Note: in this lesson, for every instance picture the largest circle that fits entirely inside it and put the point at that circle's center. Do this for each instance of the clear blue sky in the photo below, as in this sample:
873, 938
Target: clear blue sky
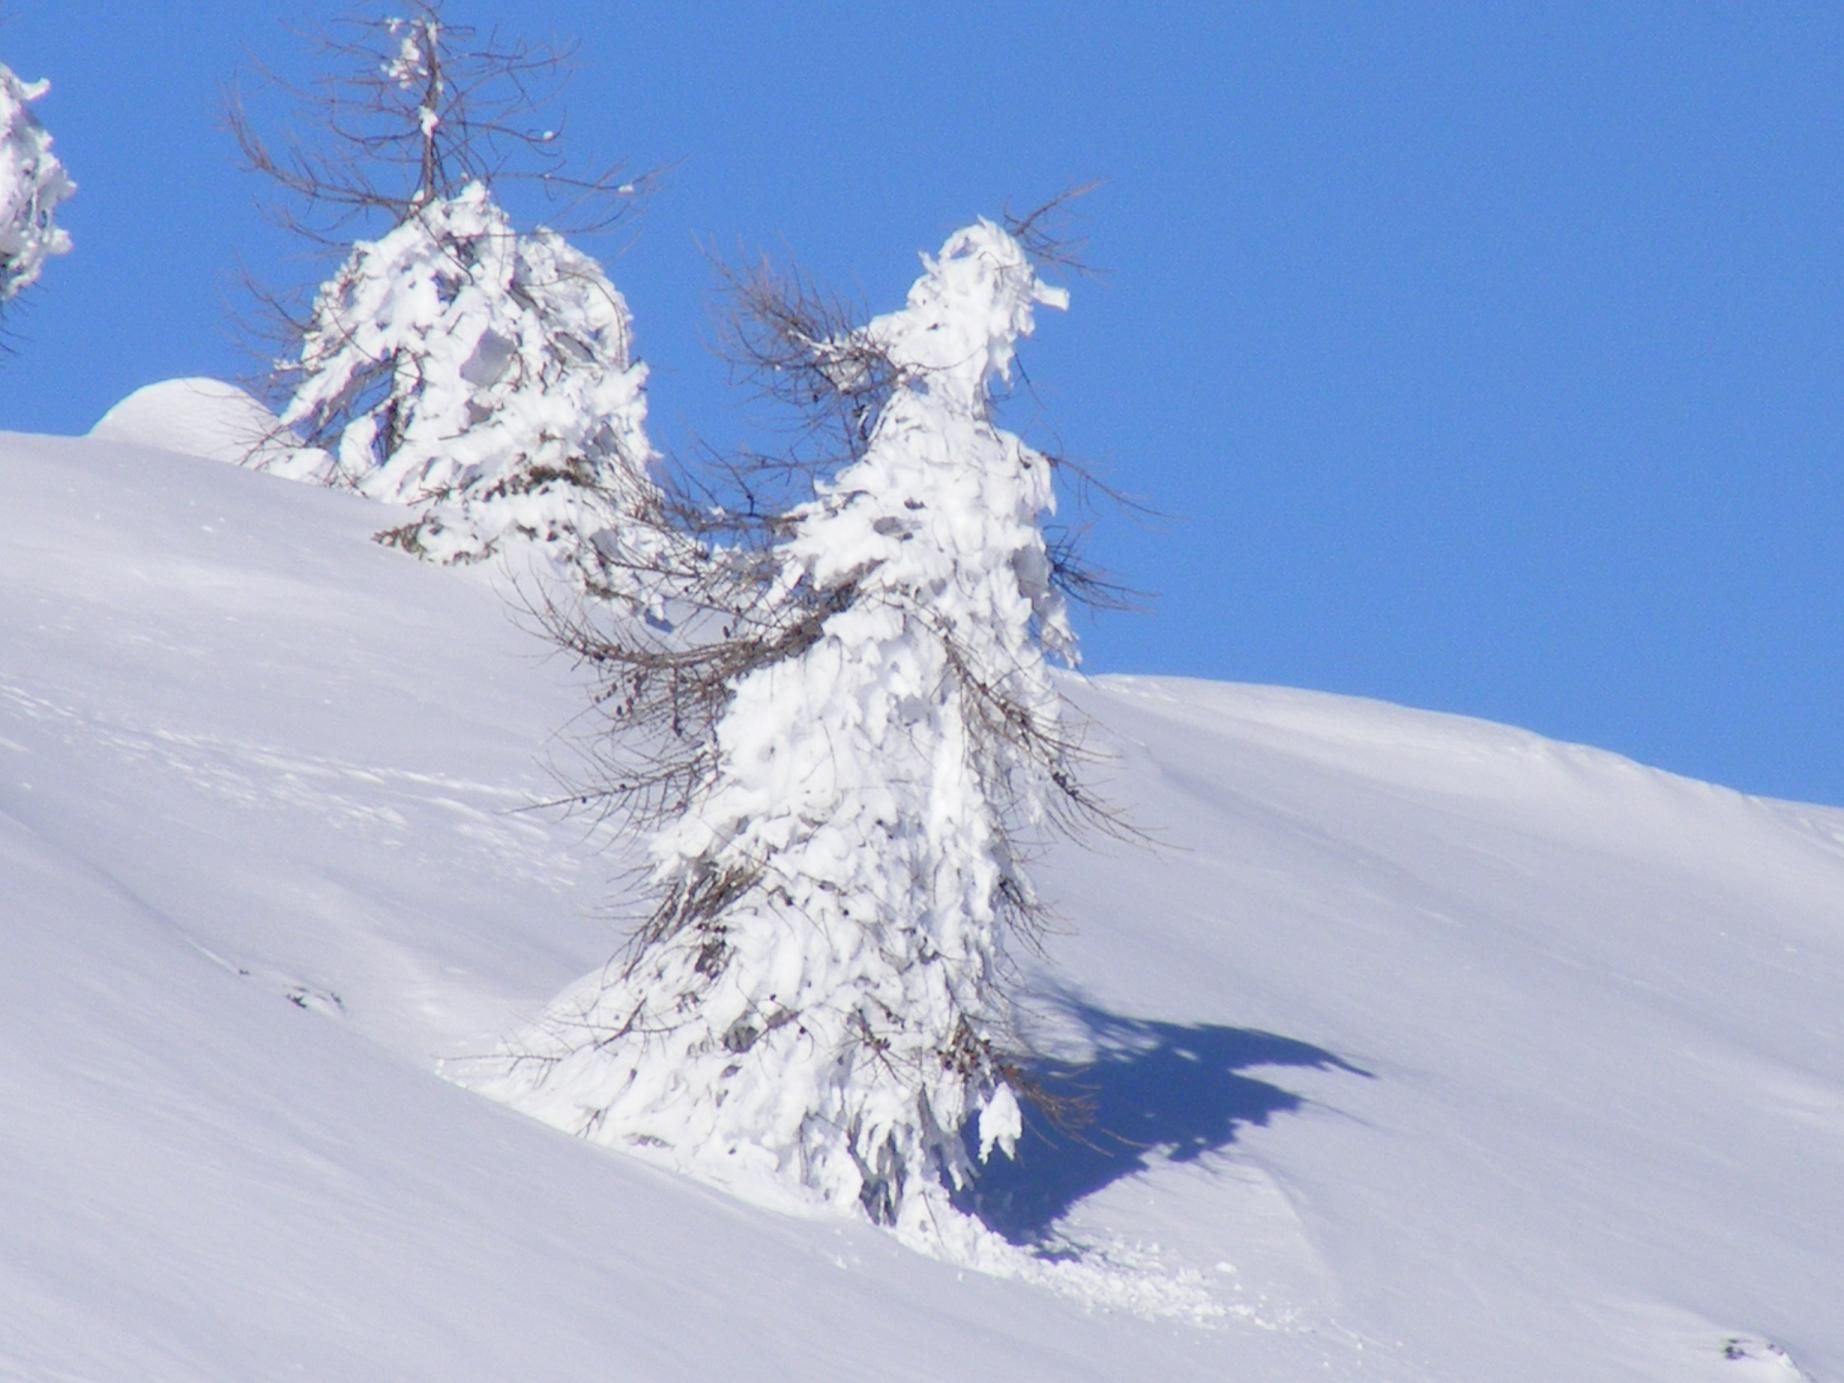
1484, 357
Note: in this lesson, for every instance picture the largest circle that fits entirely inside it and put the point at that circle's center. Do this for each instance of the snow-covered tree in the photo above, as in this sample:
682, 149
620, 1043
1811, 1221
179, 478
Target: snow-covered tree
481, 374
32, 185
818, 996
486, 378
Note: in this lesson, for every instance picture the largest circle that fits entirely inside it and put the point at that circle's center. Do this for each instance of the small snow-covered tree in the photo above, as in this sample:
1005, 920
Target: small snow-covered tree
481, 374
818, 994
484, 377
32, 185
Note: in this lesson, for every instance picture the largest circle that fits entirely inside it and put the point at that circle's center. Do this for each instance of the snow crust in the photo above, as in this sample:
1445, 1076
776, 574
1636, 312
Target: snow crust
1424, 1049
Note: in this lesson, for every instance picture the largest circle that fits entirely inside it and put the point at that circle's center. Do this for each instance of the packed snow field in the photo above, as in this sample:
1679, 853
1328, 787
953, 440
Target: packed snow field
1420, 1048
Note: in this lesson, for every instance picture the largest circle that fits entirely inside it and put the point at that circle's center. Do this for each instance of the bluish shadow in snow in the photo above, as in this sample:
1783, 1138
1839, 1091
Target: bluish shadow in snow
1153, 1091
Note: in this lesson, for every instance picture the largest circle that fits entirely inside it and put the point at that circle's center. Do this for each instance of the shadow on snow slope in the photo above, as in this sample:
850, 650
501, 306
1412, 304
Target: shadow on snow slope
1151, 1091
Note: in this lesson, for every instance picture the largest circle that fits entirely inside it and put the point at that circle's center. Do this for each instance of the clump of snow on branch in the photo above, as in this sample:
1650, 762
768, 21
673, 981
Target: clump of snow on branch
32, 185
410, 67
487, 378
817, 1002
414, 65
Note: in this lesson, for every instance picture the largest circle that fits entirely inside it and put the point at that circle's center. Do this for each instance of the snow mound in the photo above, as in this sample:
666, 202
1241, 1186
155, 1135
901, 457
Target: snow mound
197, 417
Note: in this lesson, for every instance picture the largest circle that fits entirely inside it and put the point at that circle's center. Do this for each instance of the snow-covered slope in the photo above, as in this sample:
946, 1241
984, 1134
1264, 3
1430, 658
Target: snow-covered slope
1422, 1048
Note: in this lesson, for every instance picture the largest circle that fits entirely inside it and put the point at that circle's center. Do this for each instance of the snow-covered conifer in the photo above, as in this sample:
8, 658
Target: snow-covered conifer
32, 184
818, 996
480, 373
486, 378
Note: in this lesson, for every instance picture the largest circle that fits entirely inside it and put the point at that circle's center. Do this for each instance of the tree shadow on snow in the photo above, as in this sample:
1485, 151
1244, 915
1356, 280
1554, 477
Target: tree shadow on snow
1152, 1092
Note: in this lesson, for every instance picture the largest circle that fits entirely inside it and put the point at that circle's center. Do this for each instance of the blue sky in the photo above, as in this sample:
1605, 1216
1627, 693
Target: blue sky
1481, 357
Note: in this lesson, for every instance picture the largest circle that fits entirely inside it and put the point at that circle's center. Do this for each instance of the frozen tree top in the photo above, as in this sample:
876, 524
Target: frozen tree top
417, 38
965, 313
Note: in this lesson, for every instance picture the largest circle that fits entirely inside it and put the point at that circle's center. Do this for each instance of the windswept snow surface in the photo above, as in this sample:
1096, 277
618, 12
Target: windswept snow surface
1427, 1049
